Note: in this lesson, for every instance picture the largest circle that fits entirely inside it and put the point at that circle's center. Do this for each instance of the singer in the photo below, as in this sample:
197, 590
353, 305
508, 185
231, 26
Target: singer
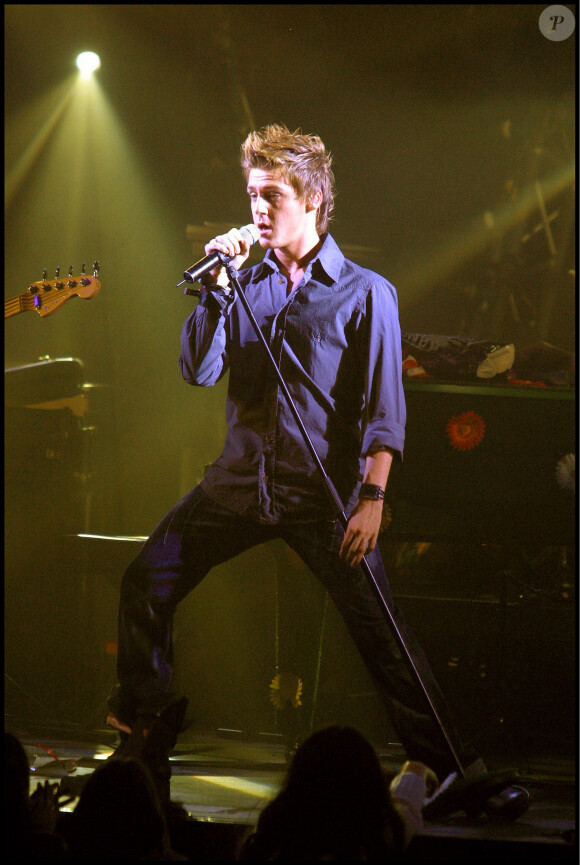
333, 328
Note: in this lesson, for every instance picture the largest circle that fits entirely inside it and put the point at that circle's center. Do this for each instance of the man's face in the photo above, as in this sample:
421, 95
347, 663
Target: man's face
276, 210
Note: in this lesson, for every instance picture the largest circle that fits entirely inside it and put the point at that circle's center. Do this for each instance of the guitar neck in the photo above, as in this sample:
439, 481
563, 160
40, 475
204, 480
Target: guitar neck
15, 305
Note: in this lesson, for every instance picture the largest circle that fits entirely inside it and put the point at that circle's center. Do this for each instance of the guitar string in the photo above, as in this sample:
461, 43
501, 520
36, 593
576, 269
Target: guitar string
12, 306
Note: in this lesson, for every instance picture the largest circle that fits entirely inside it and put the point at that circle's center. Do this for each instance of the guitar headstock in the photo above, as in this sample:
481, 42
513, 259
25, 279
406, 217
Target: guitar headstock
46, 295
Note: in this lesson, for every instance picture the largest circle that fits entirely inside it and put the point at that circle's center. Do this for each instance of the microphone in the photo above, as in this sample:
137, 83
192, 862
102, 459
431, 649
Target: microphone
249, 232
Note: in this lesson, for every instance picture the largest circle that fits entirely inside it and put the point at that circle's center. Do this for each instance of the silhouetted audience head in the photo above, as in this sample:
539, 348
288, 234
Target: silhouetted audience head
335, 804
29, 833
16, 767
18, 826
119, 814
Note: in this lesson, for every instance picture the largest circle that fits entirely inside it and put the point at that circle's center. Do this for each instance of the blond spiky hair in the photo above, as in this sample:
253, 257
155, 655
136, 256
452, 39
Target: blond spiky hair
303, 161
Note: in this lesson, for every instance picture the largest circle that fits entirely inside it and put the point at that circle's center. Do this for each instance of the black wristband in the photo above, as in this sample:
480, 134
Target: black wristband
373, 492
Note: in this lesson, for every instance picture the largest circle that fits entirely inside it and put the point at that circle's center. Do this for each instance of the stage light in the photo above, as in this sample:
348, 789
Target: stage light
88, 62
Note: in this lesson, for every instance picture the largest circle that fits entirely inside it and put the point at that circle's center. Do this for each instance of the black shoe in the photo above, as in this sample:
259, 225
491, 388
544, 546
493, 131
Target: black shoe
509, 804
153, 730
152, 738
124, 714
471, 795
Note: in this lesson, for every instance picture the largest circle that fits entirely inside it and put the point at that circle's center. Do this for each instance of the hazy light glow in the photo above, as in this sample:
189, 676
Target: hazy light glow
483, 231
24, 156
242, 785
88, 62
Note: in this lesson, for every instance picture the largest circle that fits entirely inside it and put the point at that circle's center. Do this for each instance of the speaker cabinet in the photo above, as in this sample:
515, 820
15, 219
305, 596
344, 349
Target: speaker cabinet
493, 464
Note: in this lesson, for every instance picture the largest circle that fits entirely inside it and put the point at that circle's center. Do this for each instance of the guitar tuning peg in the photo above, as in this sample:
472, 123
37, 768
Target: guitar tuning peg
58, 283
70, 271
95, 268
84, 269
45, 274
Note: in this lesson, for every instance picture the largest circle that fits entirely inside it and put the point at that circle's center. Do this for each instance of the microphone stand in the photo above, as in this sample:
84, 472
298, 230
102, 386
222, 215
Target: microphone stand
335, 498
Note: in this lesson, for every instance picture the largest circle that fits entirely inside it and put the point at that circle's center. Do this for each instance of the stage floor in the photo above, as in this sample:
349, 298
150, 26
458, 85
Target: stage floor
226, 777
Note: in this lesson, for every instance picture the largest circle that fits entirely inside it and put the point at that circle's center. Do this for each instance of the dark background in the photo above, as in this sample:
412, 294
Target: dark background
448, 124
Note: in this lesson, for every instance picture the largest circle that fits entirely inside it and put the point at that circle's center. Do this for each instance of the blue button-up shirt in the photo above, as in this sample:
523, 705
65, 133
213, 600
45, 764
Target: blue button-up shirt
336, 339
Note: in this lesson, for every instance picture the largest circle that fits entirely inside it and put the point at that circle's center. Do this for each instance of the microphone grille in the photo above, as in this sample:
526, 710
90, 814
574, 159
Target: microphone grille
250, 232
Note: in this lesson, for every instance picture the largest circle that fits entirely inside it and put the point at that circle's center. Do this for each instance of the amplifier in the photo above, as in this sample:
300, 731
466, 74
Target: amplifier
489, 464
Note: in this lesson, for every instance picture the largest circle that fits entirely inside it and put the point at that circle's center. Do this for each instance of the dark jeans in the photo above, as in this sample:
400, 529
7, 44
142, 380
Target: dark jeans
199, 534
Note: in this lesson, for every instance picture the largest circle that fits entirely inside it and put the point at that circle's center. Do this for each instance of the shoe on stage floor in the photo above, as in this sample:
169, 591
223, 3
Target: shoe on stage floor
492, 793
154, 729
509, 804
152, 737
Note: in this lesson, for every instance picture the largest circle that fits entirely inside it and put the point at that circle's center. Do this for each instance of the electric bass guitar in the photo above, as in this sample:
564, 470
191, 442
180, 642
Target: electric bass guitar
46, 296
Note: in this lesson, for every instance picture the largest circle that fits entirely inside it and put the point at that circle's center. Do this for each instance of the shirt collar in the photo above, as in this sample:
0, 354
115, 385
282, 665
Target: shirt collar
329, 258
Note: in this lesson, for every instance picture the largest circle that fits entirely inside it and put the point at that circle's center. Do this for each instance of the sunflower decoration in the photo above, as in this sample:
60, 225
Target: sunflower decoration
566, 473
466, 431
386, 518
284, 688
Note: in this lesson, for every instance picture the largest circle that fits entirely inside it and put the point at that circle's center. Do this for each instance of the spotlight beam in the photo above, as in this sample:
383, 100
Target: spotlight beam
465, 245
18, 173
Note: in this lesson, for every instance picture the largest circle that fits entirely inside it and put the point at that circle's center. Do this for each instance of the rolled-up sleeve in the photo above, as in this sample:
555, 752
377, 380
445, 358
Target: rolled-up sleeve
385, 411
